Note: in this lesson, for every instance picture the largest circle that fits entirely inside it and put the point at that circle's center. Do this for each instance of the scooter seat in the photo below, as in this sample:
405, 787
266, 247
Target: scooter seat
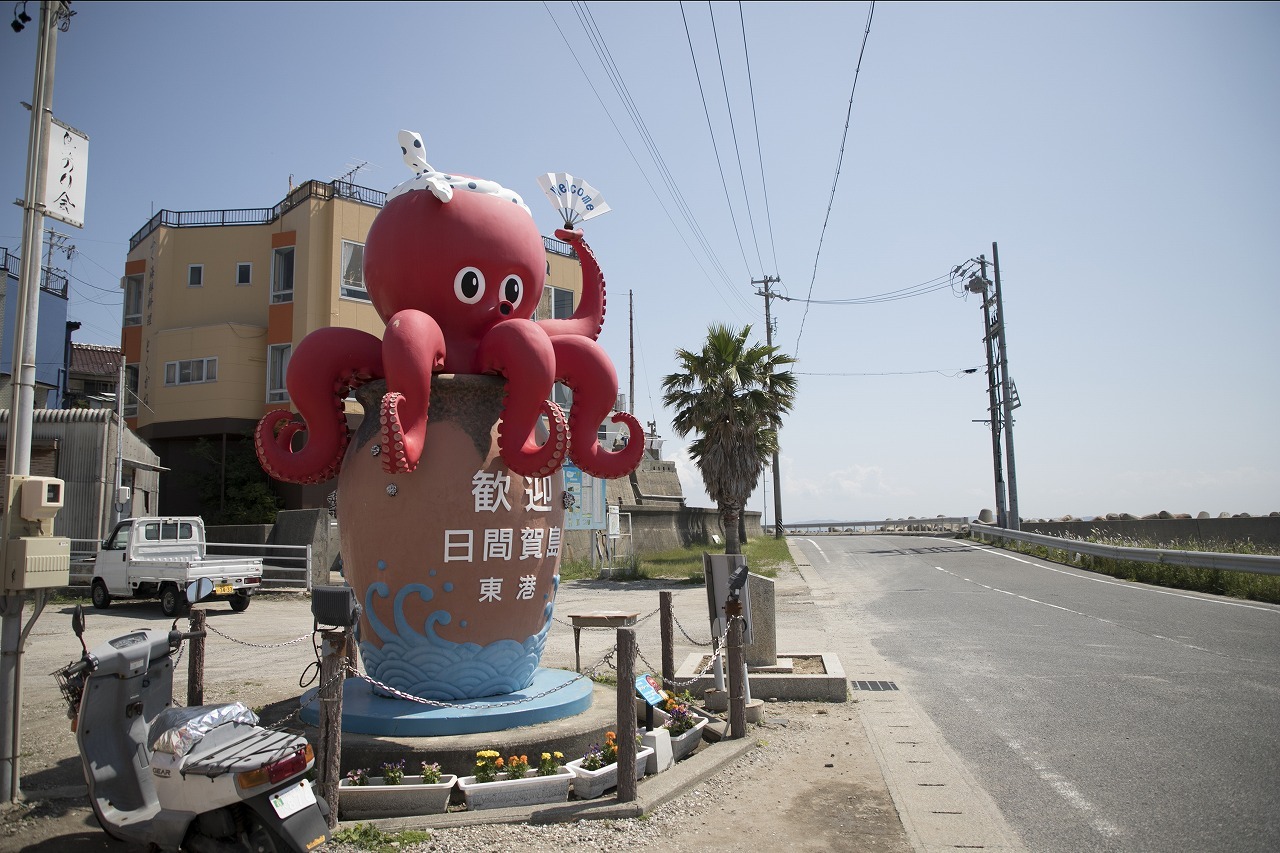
239, 748
178, 730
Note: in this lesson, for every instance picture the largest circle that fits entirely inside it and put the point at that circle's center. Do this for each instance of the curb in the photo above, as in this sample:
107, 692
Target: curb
651, 792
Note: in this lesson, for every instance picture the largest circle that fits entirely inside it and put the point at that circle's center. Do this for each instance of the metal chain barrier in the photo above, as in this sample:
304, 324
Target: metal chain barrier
710, 661
400, 694
648, 615
292, 642
686, 633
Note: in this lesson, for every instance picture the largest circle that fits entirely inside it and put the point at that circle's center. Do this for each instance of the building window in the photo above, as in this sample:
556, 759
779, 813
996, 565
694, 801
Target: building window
244, 274
195, 275
130, 390
353, 271
277, 370
191, 371
556, 304
133, 300
282, 275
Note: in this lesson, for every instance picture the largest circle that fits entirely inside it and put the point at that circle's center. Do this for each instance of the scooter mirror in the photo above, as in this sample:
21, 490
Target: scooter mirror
199, 590
77, 620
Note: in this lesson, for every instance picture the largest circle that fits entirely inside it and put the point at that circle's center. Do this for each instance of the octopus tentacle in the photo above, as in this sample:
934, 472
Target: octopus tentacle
413, 349
349, 358
525, 456
583, 365
588, 317
520, 351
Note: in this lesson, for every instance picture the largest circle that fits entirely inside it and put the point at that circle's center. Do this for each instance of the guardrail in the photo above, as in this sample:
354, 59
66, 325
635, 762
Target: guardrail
888, 524
1257, 564
283, 566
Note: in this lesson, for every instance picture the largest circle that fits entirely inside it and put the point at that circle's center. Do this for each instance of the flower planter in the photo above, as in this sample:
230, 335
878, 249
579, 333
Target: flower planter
682, 745
377, 799
505, 793
589, 784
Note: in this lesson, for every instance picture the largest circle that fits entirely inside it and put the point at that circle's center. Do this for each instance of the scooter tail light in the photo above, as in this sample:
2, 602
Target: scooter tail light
277, 770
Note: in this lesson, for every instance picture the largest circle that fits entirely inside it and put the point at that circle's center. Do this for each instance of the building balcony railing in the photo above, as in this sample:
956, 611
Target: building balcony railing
259, 215
51, 280
265, 215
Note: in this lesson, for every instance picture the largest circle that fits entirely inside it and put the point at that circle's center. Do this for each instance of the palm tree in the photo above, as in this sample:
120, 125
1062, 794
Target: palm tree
733, 394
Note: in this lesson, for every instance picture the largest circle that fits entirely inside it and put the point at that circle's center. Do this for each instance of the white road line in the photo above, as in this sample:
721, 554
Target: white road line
1091, 616
1136, 587
1063, 787
818, 548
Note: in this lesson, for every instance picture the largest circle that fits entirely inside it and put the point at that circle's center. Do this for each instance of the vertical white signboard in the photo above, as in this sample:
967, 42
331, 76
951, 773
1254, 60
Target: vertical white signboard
66, 171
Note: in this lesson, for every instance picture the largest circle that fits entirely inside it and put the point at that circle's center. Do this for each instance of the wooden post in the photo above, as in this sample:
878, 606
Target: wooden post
195, 661
737, 671
626, 731
329, 759
668, 639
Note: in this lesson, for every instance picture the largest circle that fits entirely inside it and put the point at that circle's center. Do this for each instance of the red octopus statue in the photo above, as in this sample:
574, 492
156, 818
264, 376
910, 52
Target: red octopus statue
455, 270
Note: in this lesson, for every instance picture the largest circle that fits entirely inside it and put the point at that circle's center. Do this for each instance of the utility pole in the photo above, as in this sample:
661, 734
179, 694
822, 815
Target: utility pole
53, 15
1009, 394
768, 336
631, 338
1002, 394
978, 284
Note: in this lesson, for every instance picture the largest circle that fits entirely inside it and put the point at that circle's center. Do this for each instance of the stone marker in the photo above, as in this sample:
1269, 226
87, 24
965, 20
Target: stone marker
763, 648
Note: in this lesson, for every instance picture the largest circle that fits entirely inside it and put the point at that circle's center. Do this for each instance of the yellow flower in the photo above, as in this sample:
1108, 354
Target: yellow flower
546, 756
557, 755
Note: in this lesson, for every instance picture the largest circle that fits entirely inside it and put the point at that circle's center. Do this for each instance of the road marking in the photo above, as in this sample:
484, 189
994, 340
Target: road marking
1137, 587
817, 548
1097, 618
1063, 788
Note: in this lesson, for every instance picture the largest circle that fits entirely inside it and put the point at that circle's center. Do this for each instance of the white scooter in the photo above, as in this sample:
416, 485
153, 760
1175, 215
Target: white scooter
206, 779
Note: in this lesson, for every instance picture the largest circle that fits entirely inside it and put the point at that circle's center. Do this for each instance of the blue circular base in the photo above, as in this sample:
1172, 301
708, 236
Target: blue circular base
365, 713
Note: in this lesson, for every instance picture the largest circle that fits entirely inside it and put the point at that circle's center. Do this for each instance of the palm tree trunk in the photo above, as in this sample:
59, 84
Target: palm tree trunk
729, 514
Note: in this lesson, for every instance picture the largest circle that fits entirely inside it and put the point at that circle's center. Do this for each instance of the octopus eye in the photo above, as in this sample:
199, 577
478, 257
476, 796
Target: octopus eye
513, 289
468, 284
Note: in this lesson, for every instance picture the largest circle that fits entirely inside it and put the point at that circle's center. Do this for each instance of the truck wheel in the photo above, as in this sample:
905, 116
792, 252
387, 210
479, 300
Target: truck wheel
101, 599
240, 602
171, 600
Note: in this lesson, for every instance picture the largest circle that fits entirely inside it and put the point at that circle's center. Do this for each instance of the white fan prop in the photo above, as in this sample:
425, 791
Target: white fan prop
574, 198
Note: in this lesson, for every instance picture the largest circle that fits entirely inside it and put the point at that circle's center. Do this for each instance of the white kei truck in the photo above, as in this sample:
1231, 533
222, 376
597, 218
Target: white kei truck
157, 557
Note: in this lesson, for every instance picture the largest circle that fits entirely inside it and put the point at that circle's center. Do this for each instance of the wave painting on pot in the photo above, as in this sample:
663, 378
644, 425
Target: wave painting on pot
451, 498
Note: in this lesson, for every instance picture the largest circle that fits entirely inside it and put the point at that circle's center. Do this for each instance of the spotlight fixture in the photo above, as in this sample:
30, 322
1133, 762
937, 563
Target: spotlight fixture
20, 18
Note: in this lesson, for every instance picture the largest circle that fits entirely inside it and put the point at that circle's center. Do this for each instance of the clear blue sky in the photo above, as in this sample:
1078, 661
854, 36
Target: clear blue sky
1124, 157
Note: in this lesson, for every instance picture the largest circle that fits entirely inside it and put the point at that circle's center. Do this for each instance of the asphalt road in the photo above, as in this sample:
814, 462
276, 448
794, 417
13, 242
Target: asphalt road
1099, 715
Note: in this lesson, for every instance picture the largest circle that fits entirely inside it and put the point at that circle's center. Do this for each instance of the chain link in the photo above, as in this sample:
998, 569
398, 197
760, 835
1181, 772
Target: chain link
686, 634
400, 694
292, 642
710, 660
648, 615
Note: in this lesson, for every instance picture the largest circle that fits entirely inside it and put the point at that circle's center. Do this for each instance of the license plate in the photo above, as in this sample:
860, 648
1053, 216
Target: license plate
224, 589
293, 800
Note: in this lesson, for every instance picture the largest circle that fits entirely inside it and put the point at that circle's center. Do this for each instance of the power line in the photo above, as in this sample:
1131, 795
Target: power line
733, 129
707, 112
644, 172
950, 374
764, 186
945, 282
839, 159
587, 20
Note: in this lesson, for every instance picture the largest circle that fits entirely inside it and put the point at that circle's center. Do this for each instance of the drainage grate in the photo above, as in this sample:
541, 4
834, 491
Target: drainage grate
873, 685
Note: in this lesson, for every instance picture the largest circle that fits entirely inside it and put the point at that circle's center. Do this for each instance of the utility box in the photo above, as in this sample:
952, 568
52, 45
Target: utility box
33, 557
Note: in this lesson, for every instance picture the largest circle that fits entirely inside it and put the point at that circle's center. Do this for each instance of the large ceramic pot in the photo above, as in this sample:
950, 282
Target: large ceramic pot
457, 563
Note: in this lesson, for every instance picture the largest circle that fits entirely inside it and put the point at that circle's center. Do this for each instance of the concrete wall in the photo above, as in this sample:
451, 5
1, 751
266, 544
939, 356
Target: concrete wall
1263, 530
663, 528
